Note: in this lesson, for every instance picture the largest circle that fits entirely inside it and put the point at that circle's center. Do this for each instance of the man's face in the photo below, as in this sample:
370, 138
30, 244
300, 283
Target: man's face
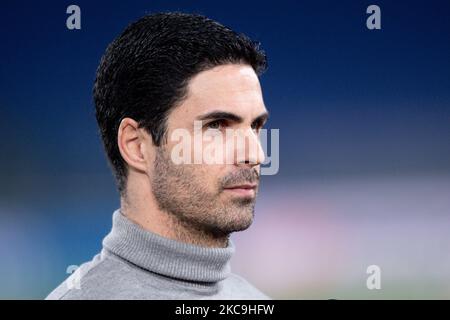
218, 198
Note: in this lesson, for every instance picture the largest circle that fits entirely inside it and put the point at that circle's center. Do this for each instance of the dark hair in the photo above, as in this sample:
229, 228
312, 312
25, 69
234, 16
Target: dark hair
145, 71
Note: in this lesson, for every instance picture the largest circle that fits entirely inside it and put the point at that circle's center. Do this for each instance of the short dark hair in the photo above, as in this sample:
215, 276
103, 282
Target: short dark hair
145, 71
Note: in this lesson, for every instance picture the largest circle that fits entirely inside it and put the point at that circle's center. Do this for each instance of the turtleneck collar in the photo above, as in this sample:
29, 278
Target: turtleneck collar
166, 256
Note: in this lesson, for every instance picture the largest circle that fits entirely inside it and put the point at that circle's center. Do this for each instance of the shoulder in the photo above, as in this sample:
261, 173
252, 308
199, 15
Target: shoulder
101, 278
240, 288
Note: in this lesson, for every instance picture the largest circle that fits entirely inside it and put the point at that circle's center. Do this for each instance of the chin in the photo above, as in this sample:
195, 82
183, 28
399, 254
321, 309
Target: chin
240, 222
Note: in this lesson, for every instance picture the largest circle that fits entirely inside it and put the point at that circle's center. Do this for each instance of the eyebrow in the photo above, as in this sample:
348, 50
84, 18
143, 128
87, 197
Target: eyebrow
224, 115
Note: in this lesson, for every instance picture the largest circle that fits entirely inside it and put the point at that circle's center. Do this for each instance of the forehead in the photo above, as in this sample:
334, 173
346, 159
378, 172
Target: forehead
232, 88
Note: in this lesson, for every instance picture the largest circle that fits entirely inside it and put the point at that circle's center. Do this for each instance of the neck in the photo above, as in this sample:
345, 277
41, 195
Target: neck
166, 257
141, 208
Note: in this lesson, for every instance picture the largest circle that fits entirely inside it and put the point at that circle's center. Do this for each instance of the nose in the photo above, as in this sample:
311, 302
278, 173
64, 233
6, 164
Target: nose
248, 148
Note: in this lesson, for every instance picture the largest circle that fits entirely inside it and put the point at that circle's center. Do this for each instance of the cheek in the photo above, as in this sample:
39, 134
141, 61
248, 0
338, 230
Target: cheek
219, 149
209, 176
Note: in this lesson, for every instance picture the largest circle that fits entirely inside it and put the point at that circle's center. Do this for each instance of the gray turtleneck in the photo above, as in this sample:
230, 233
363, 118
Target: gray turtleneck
137, 264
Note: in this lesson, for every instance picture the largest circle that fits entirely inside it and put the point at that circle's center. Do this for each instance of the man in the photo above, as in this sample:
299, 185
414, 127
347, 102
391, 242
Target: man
170, 237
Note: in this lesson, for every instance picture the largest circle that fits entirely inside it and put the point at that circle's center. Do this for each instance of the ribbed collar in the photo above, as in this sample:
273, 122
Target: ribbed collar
165, 256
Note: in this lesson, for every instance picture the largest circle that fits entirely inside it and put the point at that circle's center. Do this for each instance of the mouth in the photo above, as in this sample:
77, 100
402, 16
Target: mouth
243, 190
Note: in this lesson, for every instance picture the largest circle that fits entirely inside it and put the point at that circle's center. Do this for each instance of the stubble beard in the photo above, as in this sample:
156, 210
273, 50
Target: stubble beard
180, 192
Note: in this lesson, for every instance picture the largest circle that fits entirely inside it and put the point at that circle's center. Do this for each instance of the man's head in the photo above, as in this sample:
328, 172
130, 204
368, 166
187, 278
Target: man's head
163, 73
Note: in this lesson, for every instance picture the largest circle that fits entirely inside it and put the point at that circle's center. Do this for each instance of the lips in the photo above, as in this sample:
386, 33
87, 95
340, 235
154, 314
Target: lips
243, 186
243, 190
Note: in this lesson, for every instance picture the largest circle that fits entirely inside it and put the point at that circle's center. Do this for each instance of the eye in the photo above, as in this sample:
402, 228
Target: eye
257, 125
216, 124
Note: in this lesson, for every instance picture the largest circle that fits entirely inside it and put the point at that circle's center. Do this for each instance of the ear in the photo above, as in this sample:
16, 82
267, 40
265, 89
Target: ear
131, 142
